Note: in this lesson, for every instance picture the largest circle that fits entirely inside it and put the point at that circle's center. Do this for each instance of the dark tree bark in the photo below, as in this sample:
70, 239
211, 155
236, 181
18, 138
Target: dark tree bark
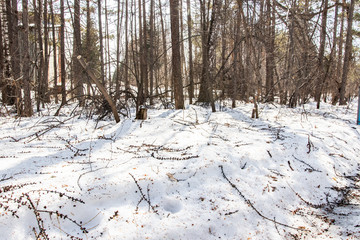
348, 52
118, 28
322, 76
54, 50
28, 111
2, 59
101, 40
191, 67
176, 60
40, 85
270, 52
339, 56
151, 50
164, 48
126, 69
145, 52
14, 89
77, 70
140, 99
62, 54
207, 27
88, 38
46, 54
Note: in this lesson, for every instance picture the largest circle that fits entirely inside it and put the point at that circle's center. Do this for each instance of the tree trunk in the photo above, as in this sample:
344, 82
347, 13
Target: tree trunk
54, 49
14, 86
348, 52
76, 52
140, 100
145, 53
126, 70
270, 51
62, 54
151, 50
207, 26
40, 85
176, 60
101, 40
191, 68
340, 56
321, 78
101, 88
46, 54
28, 111
117, 79
166, 79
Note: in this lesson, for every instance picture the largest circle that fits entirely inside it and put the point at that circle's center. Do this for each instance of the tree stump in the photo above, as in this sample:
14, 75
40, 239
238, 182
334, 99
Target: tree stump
141, 114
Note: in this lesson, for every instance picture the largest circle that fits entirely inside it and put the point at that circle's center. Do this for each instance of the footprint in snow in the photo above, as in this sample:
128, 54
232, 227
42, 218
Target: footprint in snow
172, 205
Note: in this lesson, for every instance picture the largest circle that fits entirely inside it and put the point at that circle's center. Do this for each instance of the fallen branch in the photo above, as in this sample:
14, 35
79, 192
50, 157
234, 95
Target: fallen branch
253, 207
101, 88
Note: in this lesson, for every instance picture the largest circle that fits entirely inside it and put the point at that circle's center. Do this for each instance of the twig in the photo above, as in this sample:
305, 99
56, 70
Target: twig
310, 145
307, 202
78, 181
143, 197
312, 168
253, 207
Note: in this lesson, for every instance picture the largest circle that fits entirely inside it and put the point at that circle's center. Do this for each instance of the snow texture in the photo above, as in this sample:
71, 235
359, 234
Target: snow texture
183, 174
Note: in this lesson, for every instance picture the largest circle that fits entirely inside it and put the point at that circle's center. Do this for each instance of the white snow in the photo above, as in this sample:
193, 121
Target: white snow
162, 178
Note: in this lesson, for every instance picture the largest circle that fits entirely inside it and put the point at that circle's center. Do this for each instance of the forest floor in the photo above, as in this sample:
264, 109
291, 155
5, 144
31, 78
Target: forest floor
183, 174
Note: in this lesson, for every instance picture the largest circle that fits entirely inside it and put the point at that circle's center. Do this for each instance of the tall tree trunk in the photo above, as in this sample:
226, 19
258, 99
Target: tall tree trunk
270, 51
46, 54
12, 16
54, 50
340, 55
176, 60
151, 50
41, 92
182, 47
62, 53
126, 70
191, 68
117, 79
28, 111
77, 69
321, 78
207, 27
140, 96
88, 40
2, 59
145, 52
107, 46
237, 57
166, 79
101, 40
348, 52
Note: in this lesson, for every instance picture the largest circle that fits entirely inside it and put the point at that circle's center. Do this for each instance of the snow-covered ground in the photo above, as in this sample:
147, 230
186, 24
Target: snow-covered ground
183, 174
